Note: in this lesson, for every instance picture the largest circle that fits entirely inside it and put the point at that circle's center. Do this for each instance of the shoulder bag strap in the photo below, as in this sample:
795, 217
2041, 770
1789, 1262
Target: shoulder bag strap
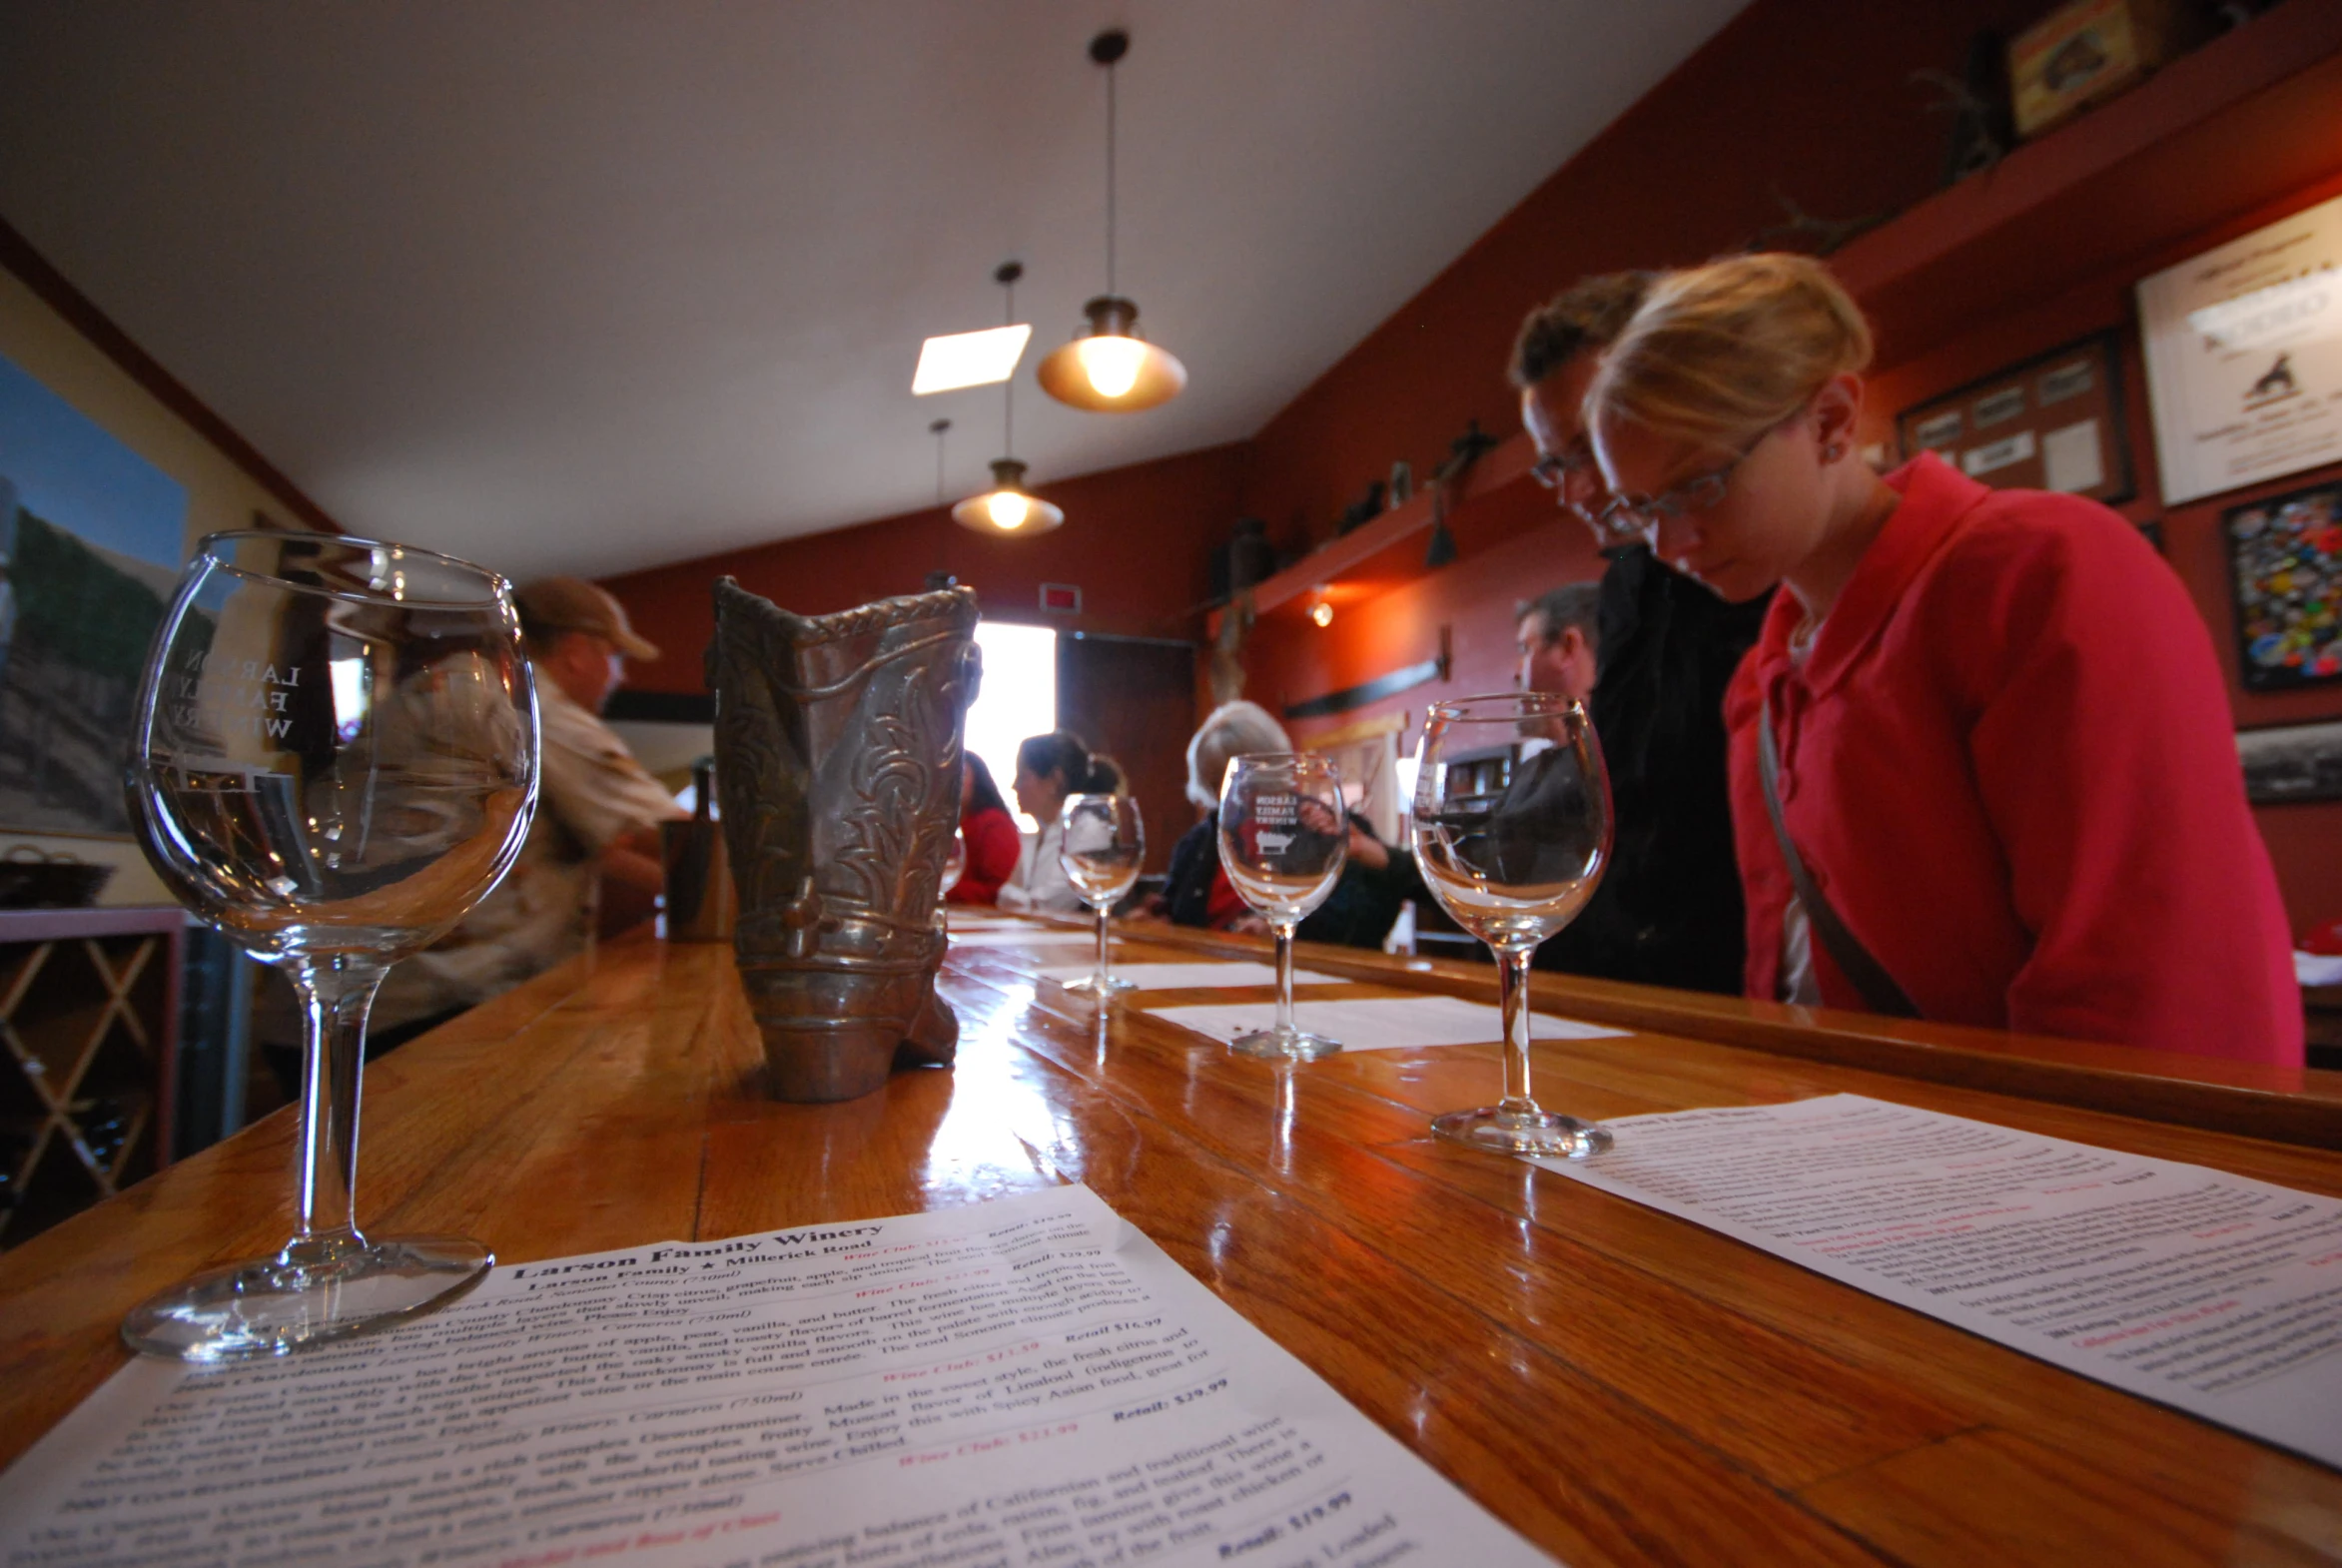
1879, 991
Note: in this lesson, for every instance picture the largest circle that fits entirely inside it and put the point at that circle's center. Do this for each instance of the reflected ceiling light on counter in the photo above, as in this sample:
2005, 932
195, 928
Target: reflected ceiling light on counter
1109, 368
1007, 507
969, 358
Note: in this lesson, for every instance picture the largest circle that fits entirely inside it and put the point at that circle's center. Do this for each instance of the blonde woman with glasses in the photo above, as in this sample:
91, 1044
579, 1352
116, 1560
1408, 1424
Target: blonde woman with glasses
1982, 760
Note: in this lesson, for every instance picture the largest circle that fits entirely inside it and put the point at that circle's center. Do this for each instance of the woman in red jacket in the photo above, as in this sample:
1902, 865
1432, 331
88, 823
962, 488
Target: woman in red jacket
991, 835
2000, 785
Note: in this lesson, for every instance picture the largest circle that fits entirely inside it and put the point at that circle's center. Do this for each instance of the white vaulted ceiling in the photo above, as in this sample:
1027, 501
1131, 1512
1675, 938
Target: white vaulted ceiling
586, 284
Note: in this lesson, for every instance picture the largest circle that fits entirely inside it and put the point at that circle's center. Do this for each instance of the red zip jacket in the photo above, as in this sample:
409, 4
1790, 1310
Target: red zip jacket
2010, 766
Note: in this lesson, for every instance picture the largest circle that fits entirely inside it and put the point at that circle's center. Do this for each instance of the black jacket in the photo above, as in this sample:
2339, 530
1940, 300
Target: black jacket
1668, 911
1357, 913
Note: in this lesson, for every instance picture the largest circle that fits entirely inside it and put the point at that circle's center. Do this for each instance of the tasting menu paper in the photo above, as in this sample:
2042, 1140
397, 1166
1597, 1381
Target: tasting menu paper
1023, 936
1029, 1380
1188, 976
2214, 1293
1381, 1022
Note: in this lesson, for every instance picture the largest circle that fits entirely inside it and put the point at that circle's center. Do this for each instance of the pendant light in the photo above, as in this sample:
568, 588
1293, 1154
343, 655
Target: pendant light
1109, 368
1007, 507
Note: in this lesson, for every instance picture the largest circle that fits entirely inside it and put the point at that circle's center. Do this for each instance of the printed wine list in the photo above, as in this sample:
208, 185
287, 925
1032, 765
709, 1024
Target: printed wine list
1026, 1380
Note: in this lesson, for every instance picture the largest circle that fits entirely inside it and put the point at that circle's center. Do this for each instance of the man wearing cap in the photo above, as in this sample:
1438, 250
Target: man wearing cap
595, 836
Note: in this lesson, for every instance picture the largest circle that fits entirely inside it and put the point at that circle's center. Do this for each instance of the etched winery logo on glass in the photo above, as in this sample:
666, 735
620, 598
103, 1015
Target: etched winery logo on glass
205, 696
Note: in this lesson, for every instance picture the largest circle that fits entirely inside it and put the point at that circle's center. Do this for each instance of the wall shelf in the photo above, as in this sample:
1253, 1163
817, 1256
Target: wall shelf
1382, 551
2242, 122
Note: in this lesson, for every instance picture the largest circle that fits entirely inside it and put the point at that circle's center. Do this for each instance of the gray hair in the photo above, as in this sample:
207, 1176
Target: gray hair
1234, 729
1572, 605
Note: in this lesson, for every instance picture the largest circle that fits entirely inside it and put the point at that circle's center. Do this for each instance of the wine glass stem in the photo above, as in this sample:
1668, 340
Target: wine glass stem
1513, 971
1101, 940
337, 991
1284, 976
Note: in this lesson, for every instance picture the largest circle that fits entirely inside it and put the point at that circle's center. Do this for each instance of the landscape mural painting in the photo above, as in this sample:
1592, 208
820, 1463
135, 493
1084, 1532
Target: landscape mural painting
91, 539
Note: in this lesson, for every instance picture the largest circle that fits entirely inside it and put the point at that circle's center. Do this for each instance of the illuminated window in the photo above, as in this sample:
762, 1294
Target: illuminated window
1019, 700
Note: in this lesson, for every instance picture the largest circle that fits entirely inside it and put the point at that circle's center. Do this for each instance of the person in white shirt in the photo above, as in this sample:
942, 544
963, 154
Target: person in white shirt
593, 842
594, 846
1049, 768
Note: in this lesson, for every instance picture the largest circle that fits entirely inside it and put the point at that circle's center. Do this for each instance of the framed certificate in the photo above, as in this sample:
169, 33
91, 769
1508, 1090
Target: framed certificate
2244, 357
2050, 422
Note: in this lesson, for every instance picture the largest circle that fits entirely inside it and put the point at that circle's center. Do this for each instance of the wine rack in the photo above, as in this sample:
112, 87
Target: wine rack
88, 1030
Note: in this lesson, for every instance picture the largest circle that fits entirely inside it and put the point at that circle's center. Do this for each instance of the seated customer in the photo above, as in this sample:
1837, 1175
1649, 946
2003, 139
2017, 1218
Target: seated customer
1982, 767
989, 834
592, 844
1376, 880
1049, 768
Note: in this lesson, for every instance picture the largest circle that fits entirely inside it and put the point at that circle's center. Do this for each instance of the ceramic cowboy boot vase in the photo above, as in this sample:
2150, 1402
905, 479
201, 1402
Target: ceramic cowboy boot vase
838, 764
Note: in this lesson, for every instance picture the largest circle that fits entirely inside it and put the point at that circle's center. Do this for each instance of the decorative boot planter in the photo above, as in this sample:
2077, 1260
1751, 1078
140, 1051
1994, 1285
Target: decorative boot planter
838, 764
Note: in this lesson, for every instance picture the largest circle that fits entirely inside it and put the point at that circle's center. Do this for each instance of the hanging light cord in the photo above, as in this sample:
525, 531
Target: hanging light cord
1110, 179
1009, 388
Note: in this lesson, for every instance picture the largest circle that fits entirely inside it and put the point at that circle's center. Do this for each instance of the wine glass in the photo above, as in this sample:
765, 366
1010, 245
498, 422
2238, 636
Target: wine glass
1101, 845
1513, 856
334, 756
1283, 835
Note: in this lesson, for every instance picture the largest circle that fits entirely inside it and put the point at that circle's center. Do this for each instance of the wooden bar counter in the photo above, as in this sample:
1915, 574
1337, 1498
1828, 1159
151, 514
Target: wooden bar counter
1617, 1384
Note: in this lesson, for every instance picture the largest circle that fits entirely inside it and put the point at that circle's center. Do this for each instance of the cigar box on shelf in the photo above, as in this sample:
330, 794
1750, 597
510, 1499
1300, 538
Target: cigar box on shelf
2087, 51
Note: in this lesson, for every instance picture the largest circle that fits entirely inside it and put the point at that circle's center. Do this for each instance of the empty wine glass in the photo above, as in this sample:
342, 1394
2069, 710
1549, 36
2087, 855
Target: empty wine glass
1513, 832
1101, 845
1283, 835
334, 756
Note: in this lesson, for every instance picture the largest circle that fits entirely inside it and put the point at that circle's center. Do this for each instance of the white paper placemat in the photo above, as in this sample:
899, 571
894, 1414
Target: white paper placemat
959, 921
1179, 976
2212, 1292
1042, 1364
1019, 936
1381, 1022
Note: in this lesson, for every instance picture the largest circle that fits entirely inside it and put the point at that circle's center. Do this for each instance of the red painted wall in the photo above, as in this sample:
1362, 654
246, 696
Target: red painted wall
1805, 97
1514, 546
1136, 540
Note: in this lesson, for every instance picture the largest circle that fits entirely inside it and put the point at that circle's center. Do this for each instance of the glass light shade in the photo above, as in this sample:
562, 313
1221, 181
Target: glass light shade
1110, 368
1111, 364
1007, 507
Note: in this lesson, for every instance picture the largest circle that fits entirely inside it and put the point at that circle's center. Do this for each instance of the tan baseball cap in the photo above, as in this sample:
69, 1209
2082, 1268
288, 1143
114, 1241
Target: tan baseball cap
555, 604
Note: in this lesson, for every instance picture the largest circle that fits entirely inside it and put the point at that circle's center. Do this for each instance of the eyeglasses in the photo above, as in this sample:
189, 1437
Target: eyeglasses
1555, 468
1632, 516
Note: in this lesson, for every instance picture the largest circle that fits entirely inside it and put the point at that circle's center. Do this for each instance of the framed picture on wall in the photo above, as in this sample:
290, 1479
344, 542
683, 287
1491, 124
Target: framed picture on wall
2285, 561
2297, 762
2050, 422
91, 536
2244, 363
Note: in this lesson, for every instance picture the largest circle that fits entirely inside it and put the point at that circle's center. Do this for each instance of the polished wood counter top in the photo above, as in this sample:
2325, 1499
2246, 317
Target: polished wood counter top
1617, 1384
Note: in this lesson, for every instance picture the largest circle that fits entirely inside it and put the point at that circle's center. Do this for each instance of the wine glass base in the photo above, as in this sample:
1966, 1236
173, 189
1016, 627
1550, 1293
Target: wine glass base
1112, 987
274, 1307
1286, 1045
1503, 1131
